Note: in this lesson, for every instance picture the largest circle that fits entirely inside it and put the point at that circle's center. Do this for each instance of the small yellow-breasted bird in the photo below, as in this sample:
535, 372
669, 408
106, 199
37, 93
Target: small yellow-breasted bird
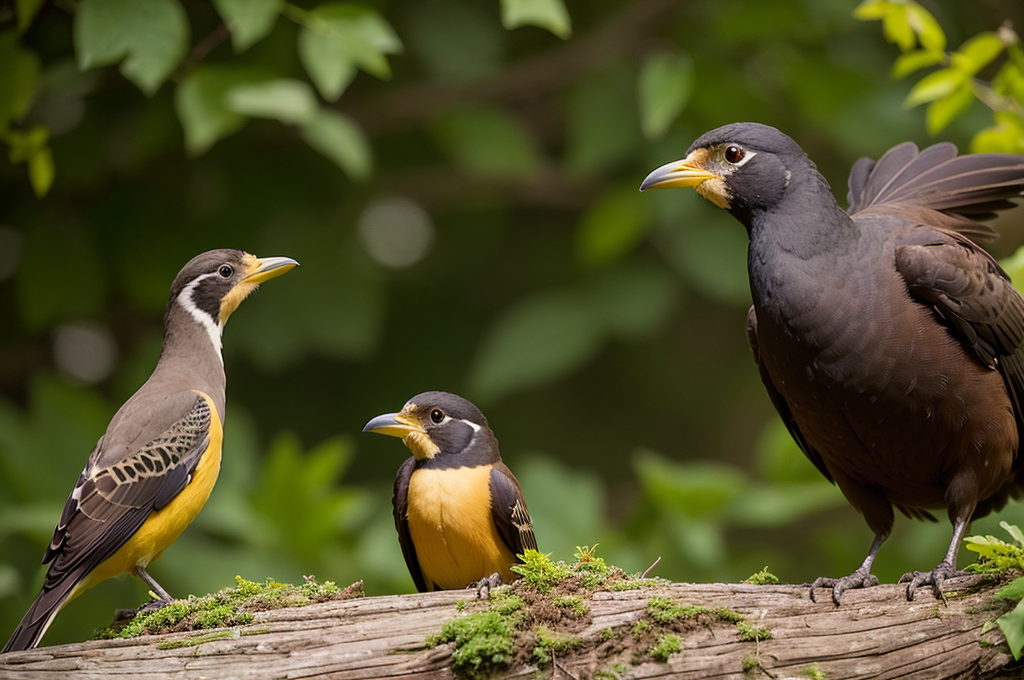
153, 469
460, 514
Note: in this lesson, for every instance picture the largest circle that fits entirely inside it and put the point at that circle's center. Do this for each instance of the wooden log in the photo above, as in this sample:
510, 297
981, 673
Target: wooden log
876, 633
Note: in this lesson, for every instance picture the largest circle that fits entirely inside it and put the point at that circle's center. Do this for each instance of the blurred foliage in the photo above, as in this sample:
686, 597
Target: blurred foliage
458, 180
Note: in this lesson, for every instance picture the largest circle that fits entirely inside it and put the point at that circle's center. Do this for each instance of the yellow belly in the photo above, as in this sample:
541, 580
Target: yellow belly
456, 541
164, 526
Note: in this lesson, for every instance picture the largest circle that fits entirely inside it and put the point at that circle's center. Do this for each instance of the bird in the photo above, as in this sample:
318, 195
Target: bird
887, 339
461, 516
152, 471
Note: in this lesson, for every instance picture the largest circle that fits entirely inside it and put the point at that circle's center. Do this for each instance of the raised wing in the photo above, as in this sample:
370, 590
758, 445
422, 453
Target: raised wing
936, 187
400, 502
508, 509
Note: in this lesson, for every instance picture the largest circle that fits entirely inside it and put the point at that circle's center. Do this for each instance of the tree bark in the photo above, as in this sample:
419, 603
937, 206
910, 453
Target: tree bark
876, 633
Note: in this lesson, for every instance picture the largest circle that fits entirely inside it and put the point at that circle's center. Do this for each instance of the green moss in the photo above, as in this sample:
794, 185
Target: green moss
609, 634
505, 602
194, 640
574, 603
641, 626
539, 571
726, 614
762, 578
752, 633
461, 604
667, 645
813, 672
664, 610
633, 583
484, 643
749, 663
229, 606
549, 642
591, 569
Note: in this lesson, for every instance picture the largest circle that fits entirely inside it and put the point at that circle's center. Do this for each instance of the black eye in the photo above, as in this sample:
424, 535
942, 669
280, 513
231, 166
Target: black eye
734, 154
226, 271
437, 415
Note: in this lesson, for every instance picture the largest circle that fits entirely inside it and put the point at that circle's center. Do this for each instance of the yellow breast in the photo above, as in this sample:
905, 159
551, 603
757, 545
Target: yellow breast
456, 541
165, 525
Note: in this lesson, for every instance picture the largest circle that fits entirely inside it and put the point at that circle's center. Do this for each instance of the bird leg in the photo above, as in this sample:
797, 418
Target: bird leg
945, 569
861, 578
163, 597
484, 585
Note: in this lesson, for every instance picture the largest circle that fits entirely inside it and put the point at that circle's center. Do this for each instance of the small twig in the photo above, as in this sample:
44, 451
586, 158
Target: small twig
208, 44
648, 570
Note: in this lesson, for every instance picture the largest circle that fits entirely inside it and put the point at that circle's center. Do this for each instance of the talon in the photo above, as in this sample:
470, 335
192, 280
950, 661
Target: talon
484, 585
933, 578
861, 578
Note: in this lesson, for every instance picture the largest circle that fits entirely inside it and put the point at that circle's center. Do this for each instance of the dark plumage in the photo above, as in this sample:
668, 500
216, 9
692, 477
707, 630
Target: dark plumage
888, 340
460, 513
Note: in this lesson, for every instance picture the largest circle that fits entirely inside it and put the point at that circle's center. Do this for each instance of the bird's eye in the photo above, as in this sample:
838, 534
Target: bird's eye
437, 415
734, 154
226, 271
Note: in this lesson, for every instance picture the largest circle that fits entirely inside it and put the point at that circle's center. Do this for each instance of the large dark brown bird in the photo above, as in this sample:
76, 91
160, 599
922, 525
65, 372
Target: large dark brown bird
153, 469
460, 514
888, 341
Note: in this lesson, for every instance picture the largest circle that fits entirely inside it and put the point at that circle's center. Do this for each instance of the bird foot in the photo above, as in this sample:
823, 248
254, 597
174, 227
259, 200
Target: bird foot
484, 585
933, 578
862, 578
152, 606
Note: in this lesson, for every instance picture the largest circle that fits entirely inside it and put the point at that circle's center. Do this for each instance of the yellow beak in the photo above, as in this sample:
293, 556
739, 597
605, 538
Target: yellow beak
676, 174
394, 425
268, 268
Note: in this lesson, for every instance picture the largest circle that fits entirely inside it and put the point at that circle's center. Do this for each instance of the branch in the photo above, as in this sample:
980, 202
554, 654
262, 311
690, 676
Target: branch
875, 634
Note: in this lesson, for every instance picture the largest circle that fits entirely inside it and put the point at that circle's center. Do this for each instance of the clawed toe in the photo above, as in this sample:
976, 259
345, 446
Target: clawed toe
484, 585
858, 579
933, 578
152, 606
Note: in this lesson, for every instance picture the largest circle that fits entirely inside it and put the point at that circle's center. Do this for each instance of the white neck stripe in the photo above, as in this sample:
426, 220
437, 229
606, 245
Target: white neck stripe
213, 329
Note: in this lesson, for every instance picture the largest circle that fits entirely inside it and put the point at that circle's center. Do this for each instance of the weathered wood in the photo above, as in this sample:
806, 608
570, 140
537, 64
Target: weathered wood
876, 633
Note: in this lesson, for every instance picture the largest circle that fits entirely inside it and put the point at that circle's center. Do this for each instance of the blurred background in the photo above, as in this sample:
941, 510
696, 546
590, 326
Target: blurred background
459, 180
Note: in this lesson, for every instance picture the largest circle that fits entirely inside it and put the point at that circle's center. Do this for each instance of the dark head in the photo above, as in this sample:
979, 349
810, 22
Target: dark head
435, 424
212, 285
742, 167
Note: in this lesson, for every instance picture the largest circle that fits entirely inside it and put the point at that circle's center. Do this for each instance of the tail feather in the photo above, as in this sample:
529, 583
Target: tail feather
41, 613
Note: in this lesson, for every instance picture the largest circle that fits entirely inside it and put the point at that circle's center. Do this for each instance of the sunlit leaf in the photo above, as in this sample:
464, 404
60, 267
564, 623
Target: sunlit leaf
977, 53
337, 38
1012, 625
1009, 81
935, 86
909, 62
872, 10
1014, 590
27, 10
284, 99
1014, 531
896, 27
340, 139
664, 89
1006, 136
41, 170
248, 20
151, 36
548, 14
929, 32
536, 341
944, 111
200, 103
699, 489
490, 141
32, 147
612, 226
19, 79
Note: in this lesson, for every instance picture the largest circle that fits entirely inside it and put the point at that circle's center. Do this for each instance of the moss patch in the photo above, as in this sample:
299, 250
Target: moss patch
762, 578
228, 607
667, 645
752, 633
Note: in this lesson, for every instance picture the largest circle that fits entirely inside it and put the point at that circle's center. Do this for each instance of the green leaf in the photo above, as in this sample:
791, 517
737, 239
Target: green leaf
340, 139
41, 171
284, 99
534, 342
944, 111
548, 14
977, 53
151, 36
200, 103
896, 27
873, 10
602, 125
1013, 591
698, 489
19, 79
27, 10
664, 89
612, 226
339, 37
490, 141
1014, 531
1009, 82
935, 86
929, 32
1012, 625
909, 62
31, 147
633, 300
248, 20
1006, 136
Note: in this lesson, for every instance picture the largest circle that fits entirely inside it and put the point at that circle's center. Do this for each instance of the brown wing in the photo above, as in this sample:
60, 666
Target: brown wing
936, 187
780, 402
508, 509
109, 504
400, 502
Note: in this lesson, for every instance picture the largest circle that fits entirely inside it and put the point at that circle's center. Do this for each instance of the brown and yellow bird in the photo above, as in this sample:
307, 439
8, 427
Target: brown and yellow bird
460, 513
153, 469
